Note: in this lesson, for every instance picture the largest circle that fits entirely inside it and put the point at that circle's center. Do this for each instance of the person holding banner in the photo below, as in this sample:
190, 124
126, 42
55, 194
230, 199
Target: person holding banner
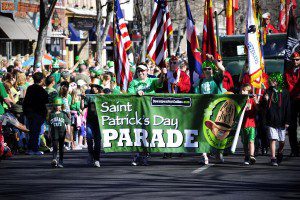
92, 126
278, 115
210, 84
178, 80
140, 86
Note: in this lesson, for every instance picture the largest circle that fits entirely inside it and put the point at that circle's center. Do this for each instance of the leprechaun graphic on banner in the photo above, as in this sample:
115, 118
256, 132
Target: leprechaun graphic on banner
168, 123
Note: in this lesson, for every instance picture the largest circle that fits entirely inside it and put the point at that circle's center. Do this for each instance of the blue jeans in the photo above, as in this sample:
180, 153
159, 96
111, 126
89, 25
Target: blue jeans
35, 123
93, 132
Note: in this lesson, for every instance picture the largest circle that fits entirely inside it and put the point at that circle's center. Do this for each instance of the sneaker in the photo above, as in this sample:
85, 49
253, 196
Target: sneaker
136, 160
60, 164
204, 160
133, 163
246, 160
279, 158
77, 148
67, 148
274, 162
252, 160
54, 163
97, 164
38, 153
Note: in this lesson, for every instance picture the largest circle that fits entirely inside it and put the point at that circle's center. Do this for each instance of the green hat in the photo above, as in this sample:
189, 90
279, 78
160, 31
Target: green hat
57, 101
96, 81
98, 72
77, 58
55, 64
277, 77
207, 64
110, 64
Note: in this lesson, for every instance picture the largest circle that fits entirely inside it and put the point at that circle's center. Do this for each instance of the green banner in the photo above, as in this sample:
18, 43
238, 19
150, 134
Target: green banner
167, 123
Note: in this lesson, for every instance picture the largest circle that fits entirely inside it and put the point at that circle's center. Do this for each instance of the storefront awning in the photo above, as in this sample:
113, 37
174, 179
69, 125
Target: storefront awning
27, 28
20, 29
84, 12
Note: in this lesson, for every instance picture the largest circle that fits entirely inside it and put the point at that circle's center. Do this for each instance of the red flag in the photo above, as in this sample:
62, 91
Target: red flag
160, 30
232, 6
209, 44
285, 7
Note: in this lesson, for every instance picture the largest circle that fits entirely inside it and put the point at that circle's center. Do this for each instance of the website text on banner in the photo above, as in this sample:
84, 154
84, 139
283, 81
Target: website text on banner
168, 123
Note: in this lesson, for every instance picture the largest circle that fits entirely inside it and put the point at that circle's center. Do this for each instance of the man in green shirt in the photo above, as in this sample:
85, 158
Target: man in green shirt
144, 85
140, 86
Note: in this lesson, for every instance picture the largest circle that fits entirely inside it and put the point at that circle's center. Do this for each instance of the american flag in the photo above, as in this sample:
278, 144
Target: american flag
123, 43
160, 30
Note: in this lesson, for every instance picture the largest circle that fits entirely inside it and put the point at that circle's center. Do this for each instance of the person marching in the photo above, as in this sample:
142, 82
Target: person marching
248, 131
58, 121
292, 77
210, 84
278, 115
140, 86
92, 126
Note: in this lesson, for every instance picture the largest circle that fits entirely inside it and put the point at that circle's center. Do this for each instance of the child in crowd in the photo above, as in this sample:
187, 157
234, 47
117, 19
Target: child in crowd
248, 131
277, 104
58, 121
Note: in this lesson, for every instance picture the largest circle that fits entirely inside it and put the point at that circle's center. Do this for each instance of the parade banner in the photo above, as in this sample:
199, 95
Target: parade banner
168, 123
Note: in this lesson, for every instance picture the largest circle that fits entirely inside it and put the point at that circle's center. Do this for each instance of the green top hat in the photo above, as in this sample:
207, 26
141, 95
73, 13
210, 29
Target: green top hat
208, 64
55, 64
58, 101
110, 64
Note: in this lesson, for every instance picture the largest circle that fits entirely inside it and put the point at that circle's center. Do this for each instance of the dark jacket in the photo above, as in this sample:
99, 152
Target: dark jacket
35, 100
278, 109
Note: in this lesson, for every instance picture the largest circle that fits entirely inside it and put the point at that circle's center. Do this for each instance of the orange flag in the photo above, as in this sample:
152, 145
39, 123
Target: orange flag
232, 6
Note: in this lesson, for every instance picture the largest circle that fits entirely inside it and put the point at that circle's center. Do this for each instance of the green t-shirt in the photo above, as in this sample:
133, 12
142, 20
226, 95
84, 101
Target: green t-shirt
76, 106
56, 76
58, 122
148, 86
209, 86
3, 95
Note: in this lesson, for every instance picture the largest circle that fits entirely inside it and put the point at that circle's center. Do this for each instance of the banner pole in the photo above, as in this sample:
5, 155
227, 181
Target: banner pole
238, 130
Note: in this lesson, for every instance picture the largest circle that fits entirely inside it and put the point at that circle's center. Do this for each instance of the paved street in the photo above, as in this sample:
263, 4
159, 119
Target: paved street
31, 177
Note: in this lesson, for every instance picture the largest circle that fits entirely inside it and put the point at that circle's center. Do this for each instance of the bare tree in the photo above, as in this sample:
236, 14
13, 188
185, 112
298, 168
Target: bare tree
99, 22
143, 10
46, 11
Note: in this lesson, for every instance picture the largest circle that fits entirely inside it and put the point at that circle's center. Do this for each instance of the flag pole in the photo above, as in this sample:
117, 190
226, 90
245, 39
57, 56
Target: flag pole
217, 32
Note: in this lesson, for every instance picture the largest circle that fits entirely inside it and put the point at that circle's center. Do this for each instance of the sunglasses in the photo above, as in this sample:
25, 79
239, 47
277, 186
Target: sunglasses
207, 69
296, 59
174, 63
